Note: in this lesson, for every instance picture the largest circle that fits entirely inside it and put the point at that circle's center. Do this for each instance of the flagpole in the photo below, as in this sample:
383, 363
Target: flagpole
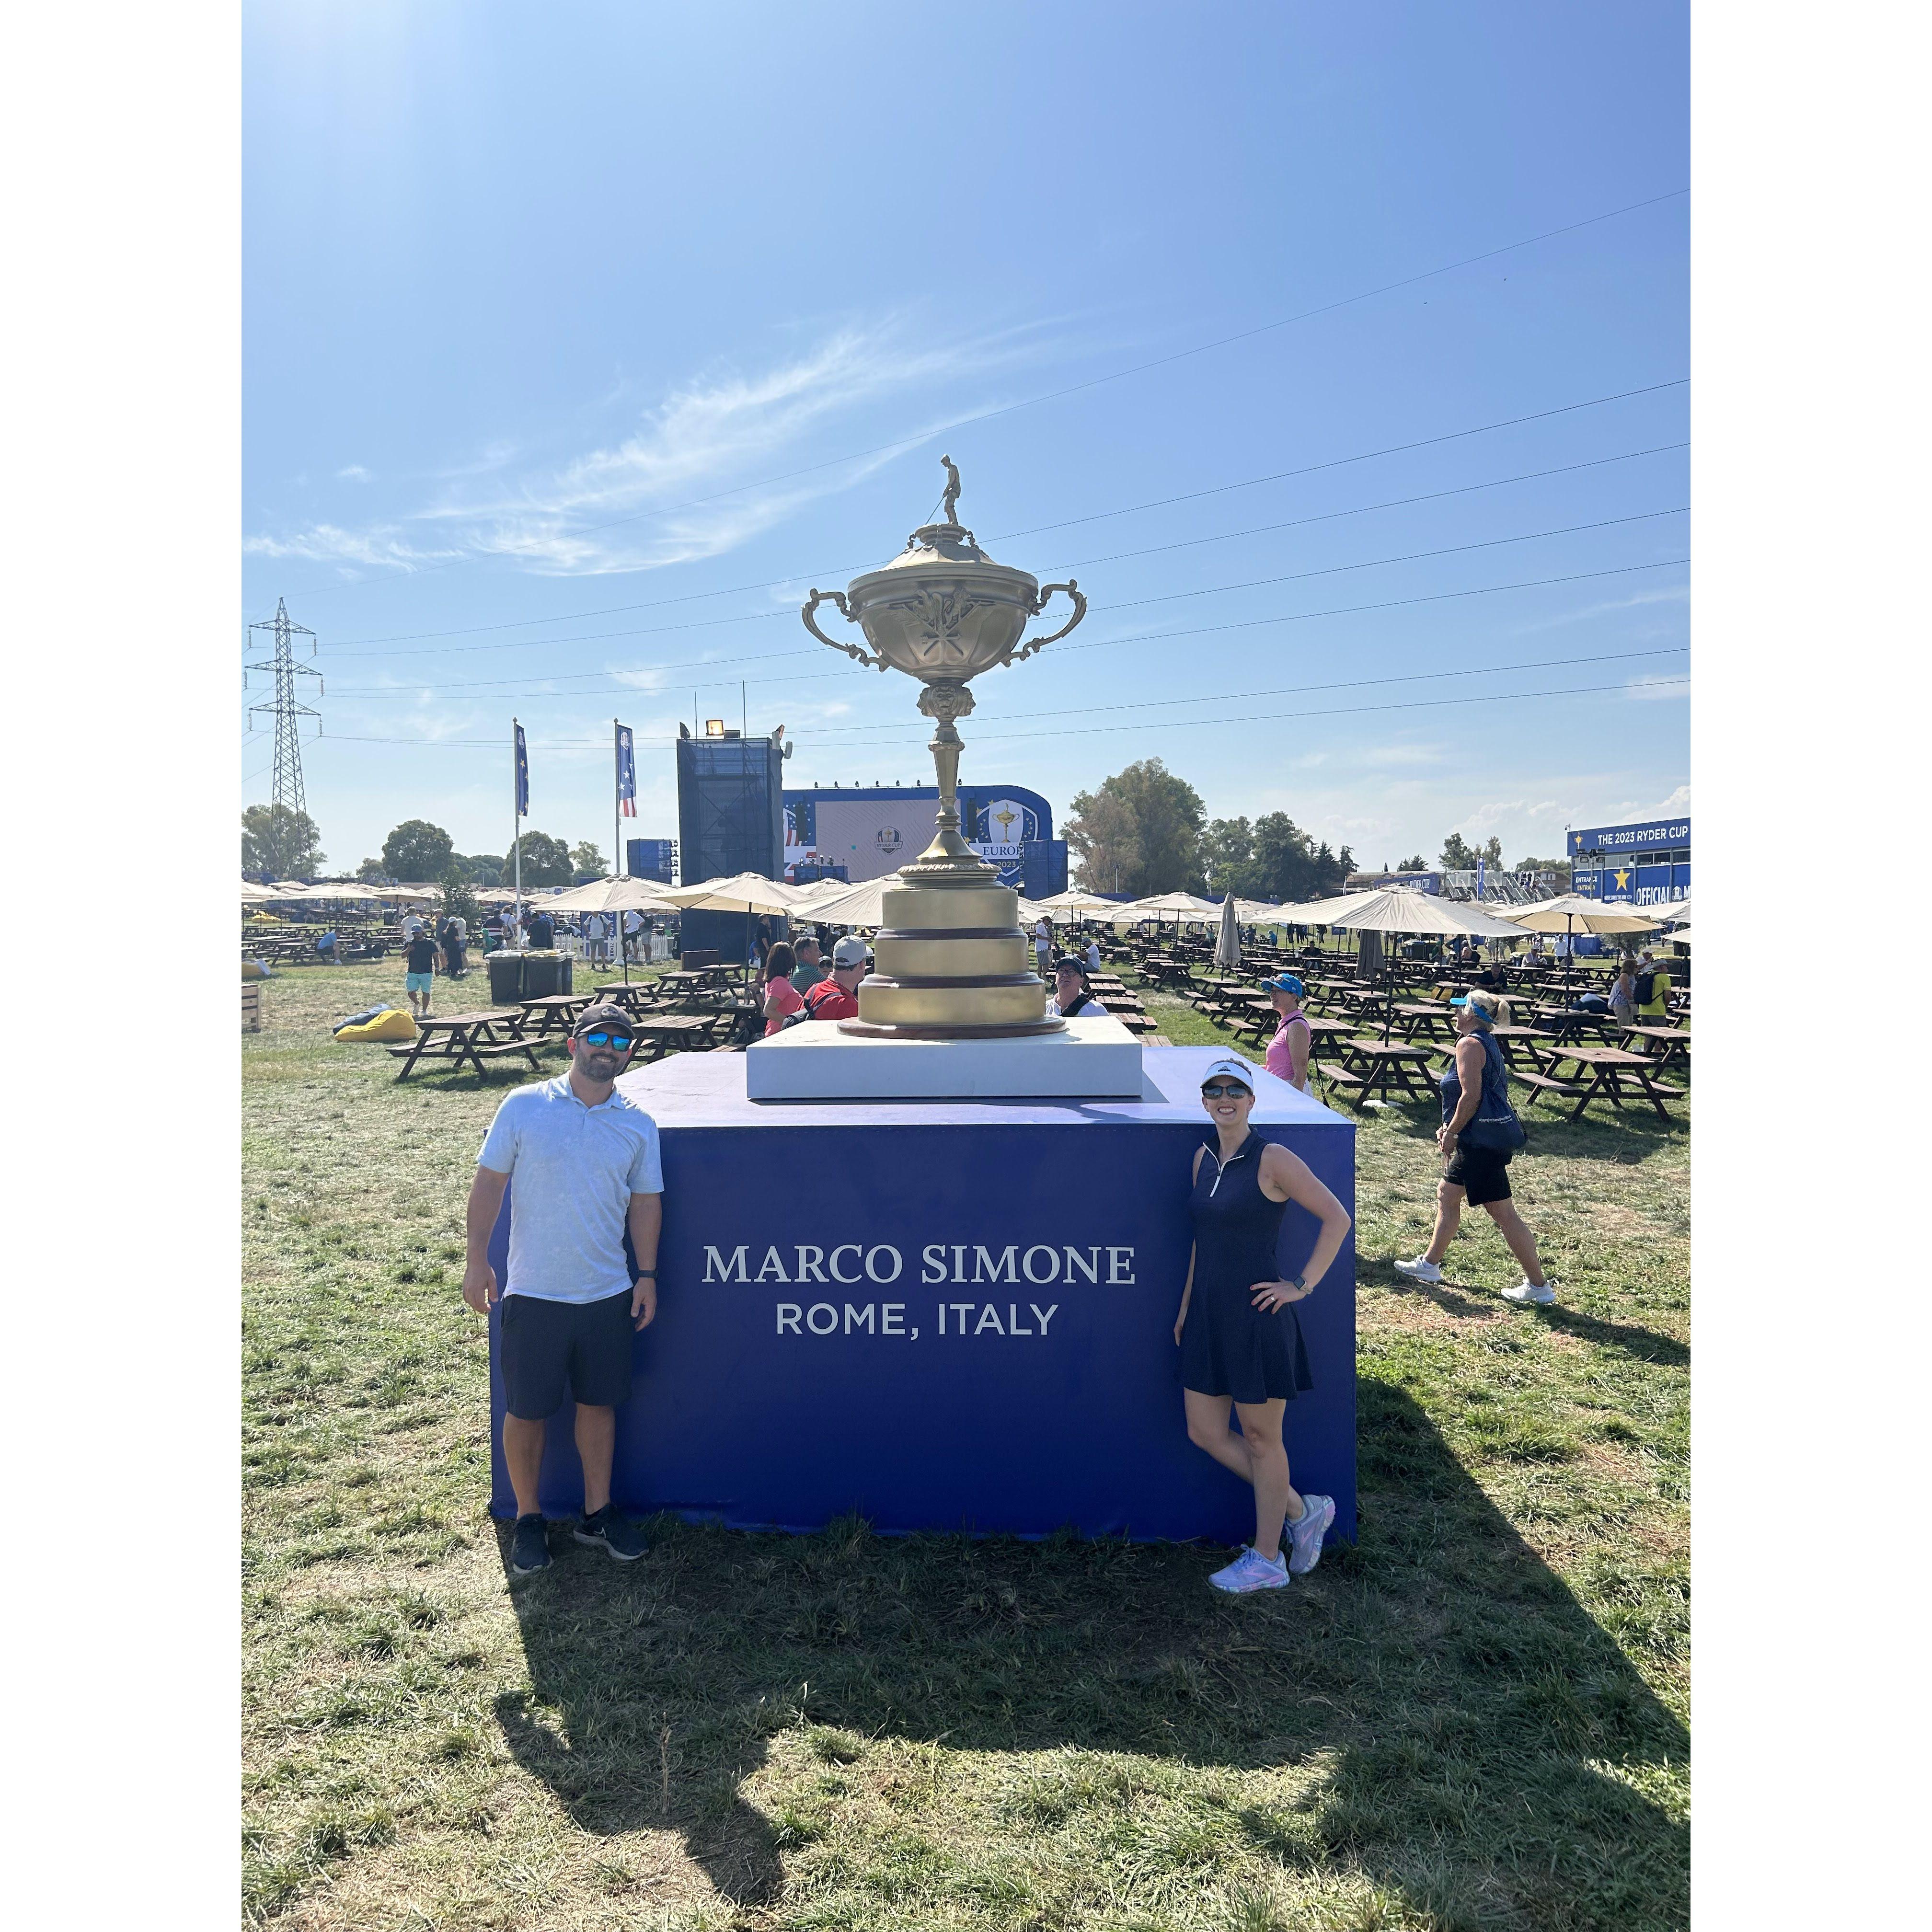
517, 824
617, 840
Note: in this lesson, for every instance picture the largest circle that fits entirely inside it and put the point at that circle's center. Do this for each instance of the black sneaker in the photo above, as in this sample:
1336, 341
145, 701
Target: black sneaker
622, 1538
529, 1548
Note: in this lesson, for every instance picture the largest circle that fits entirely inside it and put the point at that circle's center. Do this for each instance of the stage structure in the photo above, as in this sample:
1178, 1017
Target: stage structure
947, 1315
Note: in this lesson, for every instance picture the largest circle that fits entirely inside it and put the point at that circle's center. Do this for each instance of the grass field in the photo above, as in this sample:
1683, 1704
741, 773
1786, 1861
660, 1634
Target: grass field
1475, 1718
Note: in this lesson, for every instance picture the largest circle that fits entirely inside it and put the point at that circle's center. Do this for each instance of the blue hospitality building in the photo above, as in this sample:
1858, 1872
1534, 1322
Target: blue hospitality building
1645, 864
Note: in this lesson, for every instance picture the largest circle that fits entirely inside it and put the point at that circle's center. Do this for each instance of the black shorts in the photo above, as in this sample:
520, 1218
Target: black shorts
546, 1347
1483, 1172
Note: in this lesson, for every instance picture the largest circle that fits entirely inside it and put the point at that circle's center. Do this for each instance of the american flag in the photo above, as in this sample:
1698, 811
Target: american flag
627, 773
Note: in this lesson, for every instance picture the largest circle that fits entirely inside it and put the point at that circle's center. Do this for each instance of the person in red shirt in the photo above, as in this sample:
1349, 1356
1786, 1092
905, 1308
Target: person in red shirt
837, 998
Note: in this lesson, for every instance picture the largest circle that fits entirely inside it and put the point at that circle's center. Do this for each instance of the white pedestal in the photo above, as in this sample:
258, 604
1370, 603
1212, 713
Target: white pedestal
1092, 1060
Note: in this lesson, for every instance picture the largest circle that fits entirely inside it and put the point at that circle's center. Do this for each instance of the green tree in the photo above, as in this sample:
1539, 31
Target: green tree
480, 869
1560, 867
458, 901
280, 841
373, 872
1288, 865
1104, 839
1146, 824
1458, 854
1491, 854
1227, 853
587, 859
417, 851
1417, 864
546, 862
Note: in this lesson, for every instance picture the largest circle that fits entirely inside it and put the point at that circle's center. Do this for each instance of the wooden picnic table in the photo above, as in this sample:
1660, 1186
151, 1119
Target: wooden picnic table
1666, 1046
1425, 1020
674, 1033
474, 1038
557, 1010
1522, 1045
1368, 1065
1609, 1073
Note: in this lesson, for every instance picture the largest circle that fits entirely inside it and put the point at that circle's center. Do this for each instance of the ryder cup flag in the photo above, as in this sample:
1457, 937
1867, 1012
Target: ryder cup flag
523, 776
627, 773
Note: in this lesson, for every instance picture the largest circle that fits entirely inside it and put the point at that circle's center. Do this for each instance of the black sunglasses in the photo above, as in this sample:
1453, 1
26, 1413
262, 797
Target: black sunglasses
620, 1041
1222, 1093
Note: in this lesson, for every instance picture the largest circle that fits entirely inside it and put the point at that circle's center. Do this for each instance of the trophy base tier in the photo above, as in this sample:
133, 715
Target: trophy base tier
1081, 1059
952, 964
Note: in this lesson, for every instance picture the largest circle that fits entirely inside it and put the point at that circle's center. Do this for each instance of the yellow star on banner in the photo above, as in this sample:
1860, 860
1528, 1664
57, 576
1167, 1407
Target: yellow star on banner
1623, 879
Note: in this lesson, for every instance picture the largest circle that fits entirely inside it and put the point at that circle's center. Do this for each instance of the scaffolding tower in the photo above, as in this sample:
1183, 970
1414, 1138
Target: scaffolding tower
289, 711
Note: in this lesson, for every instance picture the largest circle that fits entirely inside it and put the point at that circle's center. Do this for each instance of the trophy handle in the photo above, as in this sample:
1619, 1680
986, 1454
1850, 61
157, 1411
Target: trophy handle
837, 597
1072, 587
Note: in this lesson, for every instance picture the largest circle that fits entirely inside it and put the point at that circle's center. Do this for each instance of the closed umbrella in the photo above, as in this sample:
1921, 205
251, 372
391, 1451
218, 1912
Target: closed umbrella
1227, 942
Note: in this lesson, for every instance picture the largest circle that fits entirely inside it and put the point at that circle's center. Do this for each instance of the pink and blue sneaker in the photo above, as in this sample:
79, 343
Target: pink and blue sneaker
1250, 1572
1304, 1538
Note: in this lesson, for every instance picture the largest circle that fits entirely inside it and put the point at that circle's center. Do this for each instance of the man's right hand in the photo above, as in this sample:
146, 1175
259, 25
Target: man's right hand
479, 1286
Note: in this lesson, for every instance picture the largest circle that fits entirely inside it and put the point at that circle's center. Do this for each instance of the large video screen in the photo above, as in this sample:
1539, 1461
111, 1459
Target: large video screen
871, 837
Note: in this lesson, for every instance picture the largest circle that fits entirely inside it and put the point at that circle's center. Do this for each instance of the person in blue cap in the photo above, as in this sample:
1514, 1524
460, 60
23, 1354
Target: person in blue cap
1239, 1337
1293, 1038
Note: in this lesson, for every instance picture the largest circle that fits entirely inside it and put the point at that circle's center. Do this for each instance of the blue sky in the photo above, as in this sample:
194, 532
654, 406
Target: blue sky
579, 342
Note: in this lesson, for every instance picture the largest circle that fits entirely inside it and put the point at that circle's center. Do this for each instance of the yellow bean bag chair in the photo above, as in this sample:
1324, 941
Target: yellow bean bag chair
390, 1023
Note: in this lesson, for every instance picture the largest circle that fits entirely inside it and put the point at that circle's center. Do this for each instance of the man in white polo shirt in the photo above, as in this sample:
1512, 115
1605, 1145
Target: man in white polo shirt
586, 1167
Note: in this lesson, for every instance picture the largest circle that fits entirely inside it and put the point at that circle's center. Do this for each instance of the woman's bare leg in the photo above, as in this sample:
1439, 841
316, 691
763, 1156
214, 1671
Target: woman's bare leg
1448, 1219
1521, 1243
1275, 1496
1208, 1429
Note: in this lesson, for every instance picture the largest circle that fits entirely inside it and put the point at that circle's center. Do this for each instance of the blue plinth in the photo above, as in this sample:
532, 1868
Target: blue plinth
945, 1316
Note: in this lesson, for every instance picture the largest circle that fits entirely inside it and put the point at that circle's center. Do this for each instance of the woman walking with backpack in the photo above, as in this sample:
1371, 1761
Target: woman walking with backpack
1480, 1131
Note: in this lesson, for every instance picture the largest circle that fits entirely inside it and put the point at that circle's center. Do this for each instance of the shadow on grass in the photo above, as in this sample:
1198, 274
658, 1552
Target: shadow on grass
1488, 1743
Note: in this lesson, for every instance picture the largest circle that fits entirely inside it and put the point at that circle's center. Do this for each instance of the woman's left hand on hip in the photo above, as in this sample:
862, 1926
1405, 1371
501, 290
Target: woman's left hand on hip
1271, 1296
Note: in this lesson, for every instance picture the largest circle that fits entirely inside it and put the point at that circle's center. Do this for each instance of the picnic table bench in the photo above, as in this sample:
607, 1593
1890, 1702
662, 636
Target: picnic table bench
474, 1038
1425, 1020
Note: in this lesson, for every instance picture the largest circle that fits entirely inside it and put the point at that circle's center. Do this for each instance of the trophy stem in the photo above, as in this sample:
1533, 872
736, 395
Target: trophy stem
948, 859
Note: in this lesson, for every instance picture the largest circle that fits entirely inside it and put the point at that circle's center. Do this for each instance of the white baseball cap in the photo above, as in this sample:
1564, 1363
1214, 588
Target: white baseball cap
1231, 1069
850, 951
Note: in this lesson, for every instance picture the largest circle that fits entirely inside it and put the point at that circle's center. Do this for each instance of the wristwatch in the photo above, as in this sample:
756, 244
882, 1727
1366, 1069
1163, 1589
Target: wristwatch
647, 1274
1300, 1281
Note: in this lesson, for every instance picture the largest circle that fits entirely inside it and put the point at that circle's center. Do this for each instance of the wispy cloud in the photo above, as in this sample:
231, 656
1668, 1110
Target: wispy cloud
667, 491
1662, 685
353, 473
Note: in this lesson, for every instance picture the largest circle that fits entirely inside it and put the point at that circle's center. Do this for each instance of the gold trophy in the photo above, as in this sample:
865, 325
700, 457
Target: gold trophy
951, 959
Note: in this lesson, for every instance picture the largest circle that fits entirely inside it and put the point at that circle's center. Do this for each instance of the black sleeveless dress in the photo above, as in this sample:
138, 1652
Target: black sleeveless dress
1229, 1346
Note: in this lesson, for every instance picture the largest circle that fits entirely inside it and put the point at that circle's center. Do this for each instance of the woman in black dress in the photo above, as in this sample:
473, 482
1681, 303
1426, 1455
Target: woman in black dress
1239, 1337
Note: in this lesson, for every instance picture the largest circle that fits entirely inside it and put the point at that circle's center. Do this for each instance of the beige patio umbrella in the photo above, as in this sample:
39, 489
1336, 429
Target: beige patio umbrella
254, 894
860, 904
1676, 910
1681, 936
1571, 913
750, 893
616, 897
1400, 909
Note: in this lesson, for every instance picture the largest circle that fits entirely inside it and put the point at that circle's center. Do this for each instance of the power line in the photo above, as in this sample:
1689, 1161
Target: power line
414, 693
347, 647
1093, 382
995, 737
1370, 563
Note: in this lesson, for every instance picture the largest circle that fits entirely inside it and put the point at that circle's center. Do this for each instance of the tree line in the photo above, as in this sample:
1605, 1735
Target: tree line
1145, 830
282, 843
